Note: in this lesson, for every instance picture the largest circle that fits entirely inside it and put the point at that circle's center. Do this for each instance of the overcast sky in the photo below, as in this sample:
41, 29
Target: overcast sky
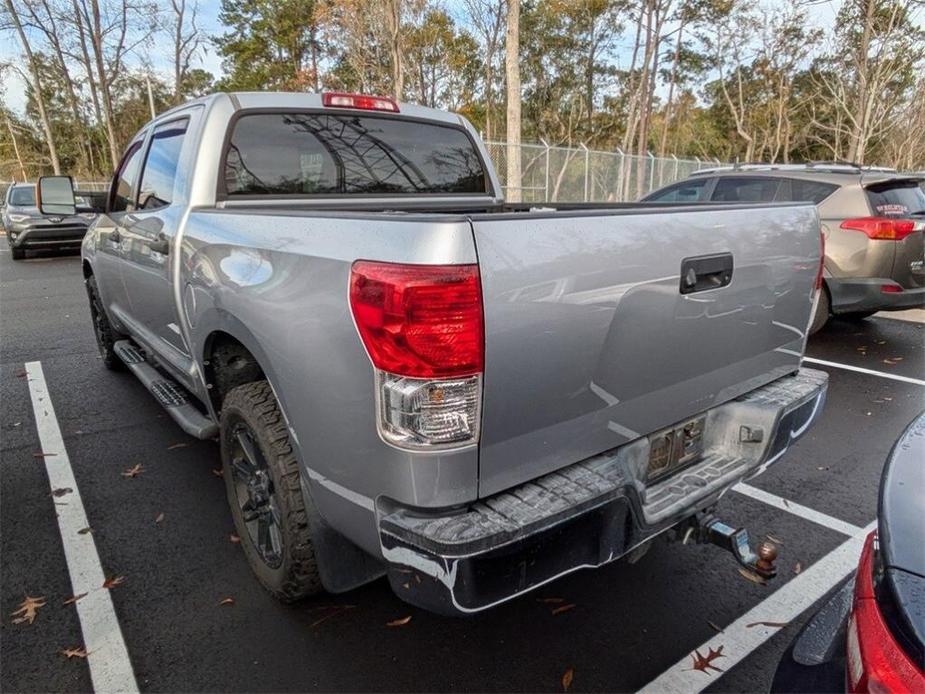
12, 89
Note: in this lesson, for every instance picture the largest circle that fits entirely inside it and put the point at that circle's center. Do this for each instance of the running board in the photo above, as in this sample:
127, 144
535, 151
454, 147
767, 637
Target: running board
170, 394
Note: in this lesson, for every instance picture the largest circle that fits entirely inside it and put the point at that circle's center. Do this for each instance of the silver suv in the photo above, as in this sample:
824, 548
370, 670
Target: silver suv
27, 228
873, 221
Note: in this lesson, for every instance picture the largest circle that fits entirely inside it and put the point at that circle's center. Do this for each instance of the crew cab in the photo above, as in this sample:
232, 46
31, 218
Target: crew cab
408, 376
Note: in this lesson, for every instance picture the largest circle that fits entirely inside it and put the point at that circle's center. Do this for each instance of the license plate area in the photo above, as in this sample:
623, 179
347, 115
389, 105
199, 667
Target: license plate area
673, 448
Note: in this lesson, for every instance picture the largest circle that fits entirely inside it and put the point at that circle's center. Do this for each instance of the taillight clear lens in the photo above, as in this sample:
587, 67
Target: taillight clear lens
882, 228
418, 413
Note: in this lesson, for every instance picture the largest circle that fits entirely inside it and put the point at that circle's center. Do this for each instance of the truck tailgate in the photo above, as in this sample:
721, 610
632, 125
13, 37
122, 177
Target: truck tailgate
590, 343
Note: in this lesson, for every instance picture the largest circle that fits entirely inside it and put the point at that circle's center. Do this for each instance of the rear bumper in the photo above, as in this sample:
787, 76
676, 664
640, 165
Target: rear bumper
863, 295
589, 513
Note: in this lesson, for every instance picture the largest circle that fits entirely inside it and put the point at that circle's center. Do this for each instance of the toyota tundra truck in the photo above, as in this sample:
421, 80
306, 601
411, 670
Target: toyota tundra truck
410, 377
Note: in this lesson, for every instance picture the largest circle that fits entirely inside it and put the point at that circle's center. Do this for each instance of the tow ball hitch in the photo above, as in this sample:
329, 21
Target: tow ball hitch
709, 529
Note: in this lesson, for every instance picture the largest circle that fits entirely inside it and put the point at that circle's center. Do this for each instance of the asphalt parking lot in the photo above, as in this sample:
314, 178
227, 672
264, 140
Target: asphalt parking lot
168, 532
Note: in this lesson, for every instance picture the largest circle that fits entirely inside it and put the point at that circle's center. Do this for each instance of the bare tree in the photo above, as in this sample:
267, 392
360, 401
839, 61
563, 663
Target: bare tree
37, 88
187, 40
512, 72
487, 18
393, 18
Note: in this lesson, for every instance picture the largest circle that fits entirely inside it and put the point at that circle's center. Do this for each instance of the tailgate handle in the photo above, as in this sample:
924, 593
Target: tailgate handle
705, 272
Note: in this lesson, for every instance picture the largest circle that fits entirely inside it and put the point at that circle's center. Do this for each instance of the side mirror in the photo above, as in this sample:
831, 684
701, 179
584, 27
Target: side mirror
55, 195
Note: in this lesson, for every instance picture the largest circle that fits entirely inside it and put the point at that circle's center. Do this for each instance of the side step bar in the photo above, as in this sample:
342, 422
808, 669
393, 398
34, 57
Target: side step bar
170, 394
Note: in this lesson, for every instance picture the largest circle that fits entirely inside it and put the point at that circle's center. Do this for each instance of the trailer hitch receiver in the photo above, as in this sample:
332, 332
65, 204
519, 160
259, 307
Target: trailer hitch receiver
711, 530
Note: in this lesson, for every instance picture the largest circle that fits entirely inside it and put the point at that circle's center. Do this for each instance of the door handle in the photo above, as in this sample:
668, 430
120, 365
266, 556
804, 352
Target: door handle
705, 272
161, 244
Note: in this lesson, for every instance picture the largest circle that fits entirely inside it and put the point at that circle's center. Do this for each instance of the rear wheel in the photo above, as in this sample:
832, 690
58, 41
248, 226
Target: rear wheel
263, 488
820, 312
106, 336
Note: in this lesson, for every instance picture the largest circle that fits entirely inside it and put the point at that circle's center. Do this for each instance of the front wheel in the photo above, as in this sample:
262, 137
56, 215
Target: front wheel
263, 488
106, 335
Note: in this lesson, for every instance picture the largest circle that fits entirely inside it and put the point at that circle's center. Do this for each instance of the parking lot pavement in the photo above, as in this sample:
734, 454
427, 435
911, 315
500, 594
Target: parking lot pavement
168, 532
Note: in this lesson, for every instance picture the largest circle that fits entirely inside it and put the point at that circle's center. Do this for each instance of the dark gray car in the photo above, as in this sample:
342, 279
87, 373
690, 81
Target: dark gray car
873, 221
27, 228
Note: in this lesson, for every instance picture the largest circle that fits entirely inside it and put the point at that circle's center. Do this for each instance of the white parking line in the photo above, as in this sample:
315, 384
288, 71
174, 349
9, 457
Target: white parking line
110, 666
861, 370
738, 640
796, 509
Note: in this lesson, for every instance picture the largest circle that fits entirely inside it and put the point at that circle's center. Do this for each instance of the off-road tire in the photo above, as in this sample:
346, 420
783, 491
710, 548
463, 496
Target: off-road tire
822, 312
297, 575
17, 253
106, 335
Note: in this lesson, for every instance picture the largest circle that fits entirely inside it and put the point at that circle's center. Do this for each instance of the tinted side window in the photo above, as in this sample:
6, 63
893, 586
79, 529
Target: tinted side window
160, 170
693, 190
745, 189
120, 197
896, 198
336, 154
802, 190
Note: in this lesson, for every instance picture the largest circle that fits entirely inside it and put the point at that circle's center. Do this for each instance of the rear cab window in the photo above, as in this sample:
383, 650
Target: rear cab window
897, 198
305, 154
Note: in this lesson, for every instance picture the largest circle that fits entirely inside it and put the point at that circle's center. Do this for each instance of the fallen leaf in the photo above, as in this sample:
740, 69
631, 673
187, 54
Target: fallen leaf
752, 576
71, 600
43, 455
160, 517
177, 445
27, 609
226, 601
797, 568
705, 663
786, 503
720, 630
113, 581
563, 608
567, 678
84, 531
74, 653
767, 624
217, 473
21, 374
134, 471
823, 467
399, 622
234, 539
551, 601
61, 491
337, 610
773, 539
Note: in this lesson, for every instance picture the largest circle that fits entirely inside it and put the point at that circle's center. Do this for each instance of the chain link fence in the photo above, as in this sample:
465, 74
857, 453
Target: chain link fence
578, 174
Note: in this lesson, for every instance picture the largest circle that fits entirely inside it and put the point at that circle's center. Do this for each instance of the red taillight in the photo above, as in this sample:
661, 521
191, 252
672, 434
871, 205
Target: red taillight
423, 321
875, 662
360, 102
881, 228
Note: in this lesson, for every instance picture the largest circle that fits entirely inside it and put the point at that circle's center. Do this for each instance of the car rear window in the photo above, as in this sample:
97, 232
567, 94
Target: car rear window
745, 189
23, 196
896, 198
802, 190
693, 190
306, 154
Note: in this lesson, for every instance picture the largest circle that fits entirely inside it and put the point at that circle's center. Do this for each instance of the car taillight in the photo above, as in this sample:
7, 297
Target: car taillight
359, 102
875, 661
881, 228
422, 328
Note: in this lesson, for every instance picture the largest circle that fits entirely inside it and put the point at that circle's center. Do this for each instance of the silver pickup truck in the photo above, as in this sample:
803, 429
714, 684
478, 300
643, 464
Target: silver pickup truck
409, 377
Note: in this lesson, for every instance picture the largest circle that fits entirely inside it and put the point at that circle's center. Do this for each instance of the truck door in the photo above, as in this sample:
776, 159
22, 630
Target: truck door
148, 247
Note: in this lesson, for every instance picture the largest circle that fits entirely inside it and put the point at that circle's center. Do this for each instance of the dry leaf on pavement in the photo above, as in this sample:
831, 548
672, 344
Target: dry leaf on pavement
704, 663
74, 653
563, 608
797, 568
715, 626
43, 455
160, 517
27, 609
177, 445
226, 601
234, 539
773, 539
551, 601
113, 581
74, 598
399, 622
217, 473
767, 624
567, 678
60, 491
134, 471
84, 531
